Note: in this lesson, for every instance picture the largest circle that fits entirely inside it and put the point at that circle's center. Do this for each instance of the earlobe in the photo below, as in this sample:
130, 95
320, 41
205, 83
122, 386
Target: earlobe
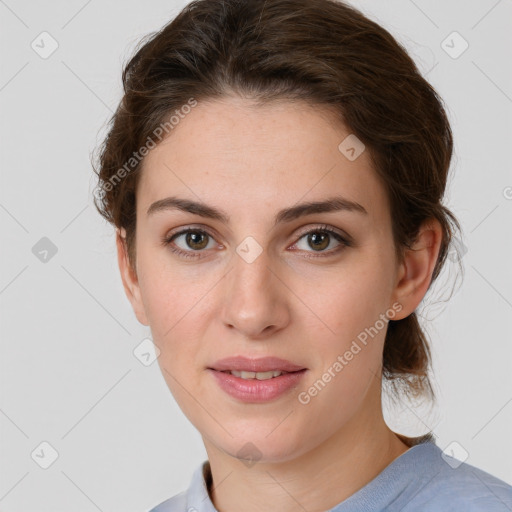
416, 269
129, 277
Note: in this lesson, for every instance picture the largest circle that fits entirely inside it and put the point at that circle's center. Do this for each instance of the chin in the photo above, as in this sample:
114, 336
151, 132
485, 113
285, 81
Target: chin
258, 446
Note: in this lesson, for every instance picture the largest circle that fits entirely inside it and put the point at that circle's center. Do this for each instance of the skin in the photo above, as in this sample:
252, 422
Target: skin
251, 161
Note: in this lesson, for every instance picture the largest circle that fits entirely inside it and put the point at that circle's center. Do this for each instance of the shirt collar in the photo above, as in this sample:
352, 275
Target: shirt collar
198, 498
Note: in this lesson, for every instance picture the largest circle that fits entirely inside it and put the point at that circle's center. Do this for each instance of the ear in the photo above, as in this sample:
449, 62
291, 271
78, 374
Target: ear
415, 272
129, 278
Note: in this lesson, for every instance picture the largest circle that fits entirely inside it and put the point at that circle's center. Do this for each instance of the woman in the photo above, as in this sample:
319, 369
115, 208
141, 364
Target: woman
275, 172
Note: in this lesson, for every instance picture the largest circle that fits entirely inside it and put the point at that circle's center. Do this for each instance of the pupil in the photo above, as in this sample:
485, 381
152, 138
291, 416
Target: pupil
192, 240
319, 240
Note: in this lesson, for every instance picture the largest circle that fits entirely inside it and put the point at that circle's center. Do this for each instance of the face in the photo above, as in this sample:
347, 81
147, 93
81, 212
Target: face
251, 273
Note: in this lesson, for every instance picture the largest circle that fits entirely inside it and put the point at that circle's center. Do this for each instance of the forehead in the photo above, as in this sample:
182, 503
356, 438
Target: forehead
234, 152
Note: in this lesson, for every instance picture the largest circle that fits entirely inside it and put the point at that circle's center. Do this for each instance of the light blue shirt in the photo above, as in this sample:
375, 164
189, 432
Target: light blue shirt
421, 479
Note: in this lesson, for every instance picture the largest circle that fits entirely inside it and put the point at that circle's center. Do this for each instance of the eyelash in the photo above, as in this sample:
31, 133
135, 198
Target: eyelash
167, 241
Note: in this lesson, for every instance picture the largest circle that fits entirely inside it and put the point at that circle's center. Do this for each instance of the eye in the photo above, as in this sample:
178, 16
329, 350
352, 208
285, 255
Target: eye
320, 239
189, 241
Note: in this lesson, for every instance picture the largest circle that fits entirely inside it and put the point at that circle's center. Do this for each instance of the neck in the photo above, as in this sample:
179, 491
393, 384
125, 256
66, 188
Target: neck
317, 480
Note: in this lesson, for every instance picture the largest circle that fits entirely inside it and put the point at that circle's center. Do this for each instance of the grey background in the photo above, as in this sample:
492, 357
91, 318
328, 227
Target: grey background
68, 375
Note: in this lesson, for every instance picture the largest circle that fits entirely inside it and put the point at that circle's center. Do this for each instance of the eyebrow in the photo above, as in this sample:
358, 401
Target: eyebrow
333, 204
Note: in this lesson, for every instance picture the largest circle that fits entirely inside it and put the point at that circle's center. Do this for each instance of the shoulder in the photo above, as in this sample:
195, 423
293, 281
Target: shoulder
455, 485
177, 503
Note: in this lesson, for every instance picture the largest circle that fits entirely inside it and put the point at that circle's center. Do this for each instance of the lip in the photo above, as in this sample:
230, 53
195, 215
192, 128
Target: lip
254, 390
262, 364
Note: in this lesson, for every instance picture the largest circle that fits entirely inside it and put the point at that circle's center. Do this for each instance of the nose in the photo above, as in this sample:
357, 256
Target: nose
255, 298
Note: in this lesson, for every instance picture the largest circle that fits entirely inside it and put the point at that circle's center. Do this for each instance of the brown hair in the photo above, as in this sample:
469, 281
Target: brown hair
323, 52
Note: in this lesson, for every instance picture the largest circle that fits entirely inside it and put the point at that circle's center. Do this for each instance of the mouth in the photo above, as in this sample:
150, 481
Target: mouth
261, 368
256, 380
256, 375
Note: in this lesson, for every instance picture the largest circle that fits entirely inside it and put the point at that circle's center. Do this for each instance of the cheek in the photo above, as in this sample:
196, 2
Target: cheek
351, 300
178, 301
171, 294
173, 307
349, 352
350, 337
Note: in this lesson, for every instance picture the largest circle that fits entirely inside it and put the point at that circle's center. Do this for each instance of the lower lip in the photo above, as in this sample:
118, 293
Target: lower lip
254, 390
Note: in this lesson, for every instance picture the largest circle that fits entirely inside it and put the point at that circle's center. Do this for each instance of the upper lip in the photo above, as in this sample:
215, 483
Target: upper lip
263, 364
